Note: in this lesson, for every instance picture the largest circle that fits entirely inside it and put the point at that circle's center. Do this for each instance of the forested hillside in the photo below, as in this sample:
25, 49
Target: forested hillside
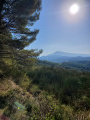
69, 86
80, 65
30, 89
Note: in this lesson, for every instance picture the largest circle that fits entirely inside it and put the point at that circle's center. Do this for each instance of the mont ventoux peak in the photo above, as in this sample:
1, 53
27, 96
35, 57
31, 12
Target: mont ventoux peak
59, 57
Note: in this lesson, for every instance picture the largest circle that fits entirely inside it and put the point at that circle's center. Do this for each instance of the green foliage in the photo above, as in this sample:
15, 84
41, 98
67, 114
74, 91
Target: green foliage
83, 103
46, 107
80, 65
67, 85
24, 82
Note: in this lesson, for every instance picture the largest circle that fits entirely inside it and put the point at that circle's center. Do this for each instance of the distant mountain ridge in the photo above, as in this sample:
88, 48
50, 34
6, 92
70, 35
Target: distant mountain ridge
59, 57
60, 53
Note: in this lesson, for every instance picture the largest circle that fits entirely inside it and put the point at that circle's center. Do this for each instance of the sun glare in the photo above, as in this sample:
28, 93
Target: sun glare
74, 9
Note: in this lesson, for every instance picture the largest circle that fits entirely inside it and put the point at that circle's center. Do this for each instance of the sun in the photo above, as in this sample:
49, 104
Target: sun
74, 9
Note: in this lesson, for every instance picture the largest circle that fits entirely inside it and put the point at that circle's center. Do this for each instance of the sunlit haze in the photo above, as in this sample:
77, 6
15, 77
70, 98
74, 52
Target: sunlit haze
74, 9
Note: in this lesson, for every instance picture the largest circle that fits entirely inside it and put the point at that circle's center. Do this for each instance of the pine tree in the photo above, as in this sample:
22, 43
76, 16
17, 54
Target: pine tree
15, 17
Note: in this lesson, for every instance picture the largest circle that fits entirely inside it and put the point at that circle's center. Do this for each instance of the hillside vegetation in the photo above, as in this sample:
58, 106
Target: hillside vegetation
46, 93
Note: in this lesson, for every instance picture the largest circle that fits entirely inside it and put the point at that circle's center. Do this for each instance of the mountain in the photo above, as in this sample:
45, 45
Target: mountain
60, 57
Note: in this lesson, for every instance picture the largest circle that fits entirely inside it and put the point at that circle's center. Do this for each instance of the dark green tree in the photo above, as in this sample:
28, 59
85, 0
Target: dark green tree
15, 17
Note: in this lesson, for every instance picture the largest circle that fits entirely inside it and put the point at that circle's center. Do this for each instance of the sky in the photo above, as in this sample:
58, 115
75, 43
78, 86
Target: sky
62, 31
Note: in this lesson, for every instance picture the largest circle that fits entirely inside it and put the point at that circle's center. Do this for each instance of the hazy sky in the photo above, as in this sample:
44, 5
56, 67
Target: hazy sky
61, 31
